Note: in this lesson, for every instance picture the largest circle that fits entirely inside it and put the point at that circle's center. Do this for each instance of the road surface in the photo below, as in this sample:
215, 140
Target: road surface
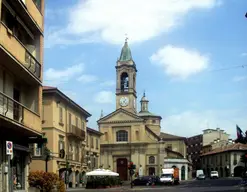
216, 185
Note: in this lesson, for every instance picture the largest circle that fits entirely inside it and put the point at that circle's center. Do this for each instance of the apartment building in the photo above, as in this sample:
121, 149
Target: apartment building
64, 125
194, 149
225, 159
92, 150
21, 64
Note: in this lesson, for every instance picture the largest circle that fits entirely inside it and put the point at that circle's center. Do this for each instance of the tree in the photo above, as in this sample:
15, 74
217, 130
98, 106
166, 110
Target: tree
243, 159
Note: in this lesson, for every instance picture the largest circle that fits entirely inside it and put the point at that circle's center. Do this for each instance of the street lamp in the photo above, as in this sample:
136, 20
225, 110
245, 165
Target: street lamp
246, 14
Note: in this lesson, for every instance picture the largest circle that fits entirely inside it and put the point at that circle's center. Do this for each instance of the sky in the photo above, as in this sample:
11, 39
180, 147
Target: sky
190, 55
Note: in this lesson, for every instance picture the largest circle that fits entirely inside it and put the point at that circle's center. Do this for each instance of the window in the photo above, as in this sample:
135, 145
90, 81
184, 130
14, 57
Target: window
122, 136
82, 125
226, 157
137, 136
106, 136
69, 121
60, 115
97, 143
169, 146
60, 143
38, 4
76, 121
235, 159
151, 160
153, 121
7, 18
43, 112
92, 142
71, 147
37, 150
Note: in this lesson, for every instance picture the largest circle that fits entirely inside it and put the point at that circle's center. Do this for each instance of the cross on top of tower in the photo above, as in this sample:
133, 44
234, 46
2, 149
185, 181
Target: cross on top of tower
126, 38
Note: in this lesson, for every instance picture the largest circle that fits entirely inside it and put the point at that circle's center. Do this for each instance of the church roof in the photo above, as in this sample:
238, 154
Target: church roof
166, 136
125, 53
120, 110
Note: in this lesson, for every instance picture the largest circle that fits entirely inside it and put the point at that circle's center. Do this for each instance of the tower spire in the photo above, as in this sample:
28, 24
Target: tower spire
125, 53
144, 103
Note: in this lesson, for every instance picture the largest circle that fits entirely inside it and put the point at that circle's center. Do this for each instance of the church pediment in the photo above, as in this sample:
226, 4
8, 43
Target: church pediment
120, 116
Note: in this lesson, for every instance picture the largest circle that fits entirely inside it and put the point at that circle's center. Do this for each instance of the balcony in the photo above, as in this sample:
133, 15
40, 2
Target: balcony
31, 12
76, 132
12, 45
17, 117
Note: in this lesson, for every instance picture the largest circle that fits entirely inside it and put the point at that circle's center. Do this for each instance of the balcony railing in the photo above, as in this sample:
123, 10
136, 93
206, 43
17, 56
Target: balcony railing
76, 132
19, 51
18, 112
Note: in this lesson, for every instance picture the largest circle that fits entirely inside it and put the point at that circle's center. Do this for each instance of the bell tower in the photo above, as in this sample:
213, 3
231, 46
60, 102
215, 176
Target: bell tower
126, 80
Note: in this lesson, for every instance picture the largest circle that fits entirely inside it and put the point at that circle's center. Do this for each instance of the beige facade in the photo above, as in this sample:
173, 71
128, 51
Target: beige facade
21, 66
211, 135
129, 135
92, 149
64, 125
225, 160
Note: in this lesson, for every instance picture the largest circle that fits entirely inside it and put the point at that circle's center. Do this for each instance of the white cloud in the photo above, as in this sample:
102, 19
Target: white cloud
189, 123
109, 20
55, 76
87, 78
180, 62
104, 97
243, 54
108, 83
239, 78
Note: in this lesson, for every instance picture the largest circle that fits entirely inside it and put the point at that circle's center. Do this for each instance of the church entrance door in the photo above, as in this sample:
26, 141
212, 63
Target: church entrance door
122, 168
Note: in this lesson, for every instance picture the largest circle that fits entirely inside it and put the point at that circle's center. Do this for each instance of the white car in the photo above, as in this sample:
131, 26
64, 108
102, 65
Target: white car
214, 175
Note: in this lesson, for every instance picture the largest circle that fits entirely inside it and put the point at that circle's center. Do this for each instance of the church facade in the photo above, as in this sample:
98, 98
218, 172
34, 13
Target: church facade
132, 135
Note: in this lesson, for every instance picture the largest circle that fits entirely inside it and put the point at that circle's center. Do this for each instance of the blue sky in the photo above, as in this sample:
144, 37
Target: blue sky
180, 49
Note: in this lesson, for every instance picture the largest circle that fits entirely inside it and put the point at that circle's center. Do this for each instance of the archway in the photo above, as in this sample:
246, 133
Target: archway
221, 172
238, 171
124, 82
227, 174
77, 178
183, 173
122, 168
151, 171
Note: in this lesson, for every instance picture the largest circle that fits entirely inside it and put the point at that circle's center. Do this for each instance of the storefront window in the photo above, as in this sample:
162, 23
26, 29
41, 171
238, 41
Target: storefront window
18, 170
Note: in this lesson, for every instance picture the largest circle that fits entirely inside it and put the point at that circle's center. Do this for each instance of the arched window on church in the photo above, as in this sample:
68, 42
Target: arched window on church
124, 82
122, 136
151, 160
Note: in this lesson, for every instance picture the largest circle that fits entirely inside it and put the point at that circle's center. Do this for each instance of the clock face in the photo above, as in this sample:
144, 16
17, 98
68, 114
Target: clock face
124, 101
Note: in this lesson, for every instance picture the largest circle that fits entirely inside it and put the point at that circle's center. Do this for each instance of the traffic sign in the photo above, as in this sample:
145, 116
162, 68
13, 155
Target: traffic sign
9, 147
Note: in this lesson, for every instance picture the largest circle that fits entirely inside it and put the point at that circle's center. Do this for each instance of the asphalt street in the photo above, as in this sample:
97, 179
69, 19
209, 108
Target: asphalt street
216, 185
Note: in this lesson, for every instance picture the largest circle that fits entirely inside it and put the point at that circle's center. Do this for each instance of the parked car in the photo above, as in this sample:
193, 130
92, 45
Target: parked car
201, 177
146, 180
214, 175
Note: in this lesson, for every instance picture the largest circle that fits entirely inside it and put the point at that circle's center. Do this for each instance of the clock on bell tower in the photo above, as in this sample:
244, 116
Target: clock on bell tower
126, 80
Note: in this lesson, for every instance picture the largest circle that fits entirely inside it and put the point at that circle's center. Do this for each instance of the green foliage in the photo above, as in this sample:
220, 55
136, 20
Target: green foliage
45, 181
102, 182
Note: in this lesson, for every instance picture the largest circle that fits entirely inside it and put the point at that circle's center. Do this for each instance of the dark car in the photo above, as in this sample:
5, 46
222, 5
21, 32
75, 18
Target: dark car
145, 180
